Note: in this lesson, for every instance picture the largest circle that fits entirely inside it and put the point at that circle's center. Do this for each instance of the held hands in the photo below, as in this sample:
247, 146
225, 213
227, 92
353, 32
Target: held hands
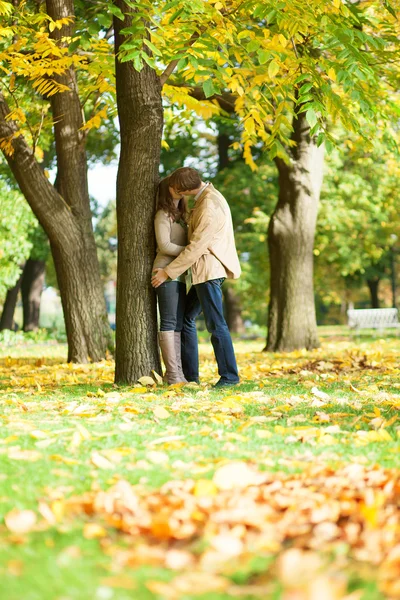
159, 276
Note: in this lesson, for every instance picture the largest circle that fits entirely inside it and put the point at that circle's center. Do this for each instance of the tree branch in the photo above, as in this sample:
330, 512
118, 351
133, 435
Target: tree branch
226, 100
172, 65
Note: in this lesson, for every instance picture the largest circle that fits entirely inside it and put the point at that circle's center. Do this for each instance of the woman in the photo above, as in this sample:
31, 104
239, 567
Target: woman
171, 236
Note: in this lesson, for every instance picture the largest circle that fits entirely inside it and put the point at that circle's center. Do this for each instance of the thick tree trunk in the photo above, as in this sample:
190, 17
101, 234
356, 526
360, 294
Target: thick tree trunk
291, 319
65, 216
7, 316
31, 291
233, 310
141, 121
373, 285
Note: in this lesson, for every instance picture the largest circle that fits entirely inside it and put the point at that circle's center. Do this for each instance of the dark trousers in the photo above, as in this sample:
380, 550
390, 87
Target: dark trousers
171, 305
207, 297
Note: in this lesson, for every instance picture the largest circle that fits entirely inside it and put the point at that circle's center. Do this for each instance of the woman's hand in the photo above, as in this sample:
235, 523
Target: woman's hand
159, 276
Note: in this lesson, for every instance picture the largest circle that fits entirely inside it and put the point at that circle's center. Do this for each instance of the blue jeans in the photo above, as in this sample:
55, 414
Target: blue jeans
171, 304
207, 297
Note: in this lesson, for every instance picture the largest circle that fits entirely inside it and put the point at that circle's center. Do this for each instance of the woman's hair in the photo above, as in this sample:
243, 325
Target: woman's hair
165, 202
185, 179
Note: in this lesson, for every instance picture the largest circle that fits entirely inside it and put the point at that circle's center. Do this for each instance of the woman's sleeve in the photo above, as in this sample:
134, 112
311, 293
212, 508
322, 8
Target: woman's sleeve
162, 225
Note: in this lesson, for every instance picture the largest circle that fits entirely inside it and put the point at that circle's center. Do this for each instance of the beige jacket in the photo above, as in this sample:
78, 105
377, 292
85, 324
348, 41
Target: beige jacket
171, 239
211, 252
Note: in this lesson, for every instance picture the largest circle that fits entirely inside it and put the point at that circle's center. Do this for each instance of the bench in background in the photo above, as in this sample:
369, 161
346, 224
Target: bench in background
373, 318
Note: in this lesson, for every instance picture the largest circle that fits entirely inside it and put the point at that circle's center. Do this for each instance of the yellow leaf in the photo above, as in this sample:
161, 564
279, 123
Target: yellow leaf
263, 434
146, 380
93, 530
273, 69
161, 413
332, 74
249, 126
139, 390
157, 377
283, 40
205, 487
100, 461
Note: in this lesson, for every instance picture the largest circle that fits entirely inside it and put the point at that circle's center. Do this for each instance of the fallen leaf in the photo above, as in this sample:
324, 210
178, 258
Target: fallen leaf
161, 413
100, 461
146, 381
93, 530
20, 521
237, 475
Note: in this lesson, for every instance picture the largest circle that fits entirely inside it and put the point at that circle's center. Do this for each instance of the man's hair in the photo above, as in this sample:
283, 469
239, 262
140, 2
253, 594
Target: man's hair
185, 179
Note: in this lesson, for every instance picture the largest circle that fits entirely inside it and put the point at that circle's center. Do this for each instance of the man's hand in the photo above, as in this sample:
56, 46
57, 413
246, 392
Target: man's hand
158, 278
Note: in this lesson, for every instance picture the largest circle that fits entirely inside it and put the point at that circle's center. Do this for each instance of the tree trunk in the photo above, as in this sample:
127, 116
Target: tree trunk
233, 310
291, 320
65, 216
373, 285
141, 121
223, 143
7, 316
31, 291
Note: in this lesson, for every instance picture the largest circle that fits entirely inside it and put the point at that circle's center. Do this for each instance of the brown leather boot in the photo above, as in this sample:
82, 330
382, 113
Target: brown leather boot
168, 351
178, 355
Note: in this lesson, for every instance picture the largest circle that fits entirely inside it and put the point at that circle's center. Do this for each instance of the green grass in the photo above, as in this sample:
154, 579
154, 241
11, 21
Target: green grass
47, 445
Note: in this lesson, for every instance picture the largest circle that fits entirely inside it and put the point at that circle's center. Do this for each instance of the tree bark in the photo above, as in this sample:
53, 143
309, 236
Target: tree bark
291, 320
65, 213
233, 310
31, 291
7, 316
373, 285
223, 143
141, 122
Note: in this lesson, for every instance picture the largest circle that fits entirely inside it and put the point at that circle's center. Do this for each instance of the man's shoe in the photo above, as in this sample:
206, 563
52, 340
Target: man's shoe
222, 383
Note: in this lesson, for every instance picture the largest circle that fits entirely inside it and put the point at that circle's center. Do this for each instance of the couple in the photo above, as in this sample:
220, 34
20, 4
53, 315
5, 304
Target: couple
207, 249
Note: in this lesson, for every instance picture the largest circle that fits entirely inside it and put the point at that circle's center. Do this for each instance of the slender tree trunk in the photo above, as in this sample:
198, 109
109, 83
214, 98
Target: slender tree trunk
233, 310
141, 121
65, 214
373, 285
291, 319
223, 143
7, 316
31, 291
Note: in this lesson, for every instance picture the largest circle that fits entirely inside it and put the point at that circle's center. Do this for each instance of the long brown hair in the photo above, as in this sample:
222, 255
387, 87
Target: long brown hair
165, 202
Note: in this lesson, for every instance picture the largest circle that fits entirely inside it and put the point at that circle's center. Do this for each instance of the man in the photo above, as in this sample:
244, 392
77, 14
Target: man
211, 255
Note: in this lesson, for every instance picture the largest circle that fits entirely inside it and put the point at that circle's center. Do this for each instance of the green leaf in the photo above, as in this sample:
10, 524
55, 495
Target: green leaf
311, 117
208, 88
305, 88
74, 45
176, 15
253, 46
152, 47
104, 20
117, 12
148, 59
302, 77
182, 63
263, 56
390, 8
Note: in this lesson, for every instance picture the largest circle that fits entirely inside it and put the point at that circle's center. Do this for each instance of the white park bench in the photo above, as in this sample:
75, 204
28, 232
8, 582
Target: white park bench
373, 318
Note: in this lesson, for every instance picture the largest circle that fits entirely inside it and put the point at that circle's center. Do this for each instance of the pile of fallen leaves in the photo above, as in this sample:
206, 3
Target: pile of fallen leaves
206, 529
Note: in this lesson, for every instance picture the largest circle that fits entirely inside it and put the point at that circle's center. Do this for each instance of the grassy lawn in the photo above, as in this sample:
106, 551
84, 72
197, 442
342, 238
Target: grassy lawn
283, 487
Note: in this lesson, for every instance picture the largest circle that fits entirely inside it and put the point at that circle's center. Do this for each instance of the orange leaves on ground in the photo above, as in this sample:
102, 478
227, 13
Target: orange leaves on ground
243, 512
